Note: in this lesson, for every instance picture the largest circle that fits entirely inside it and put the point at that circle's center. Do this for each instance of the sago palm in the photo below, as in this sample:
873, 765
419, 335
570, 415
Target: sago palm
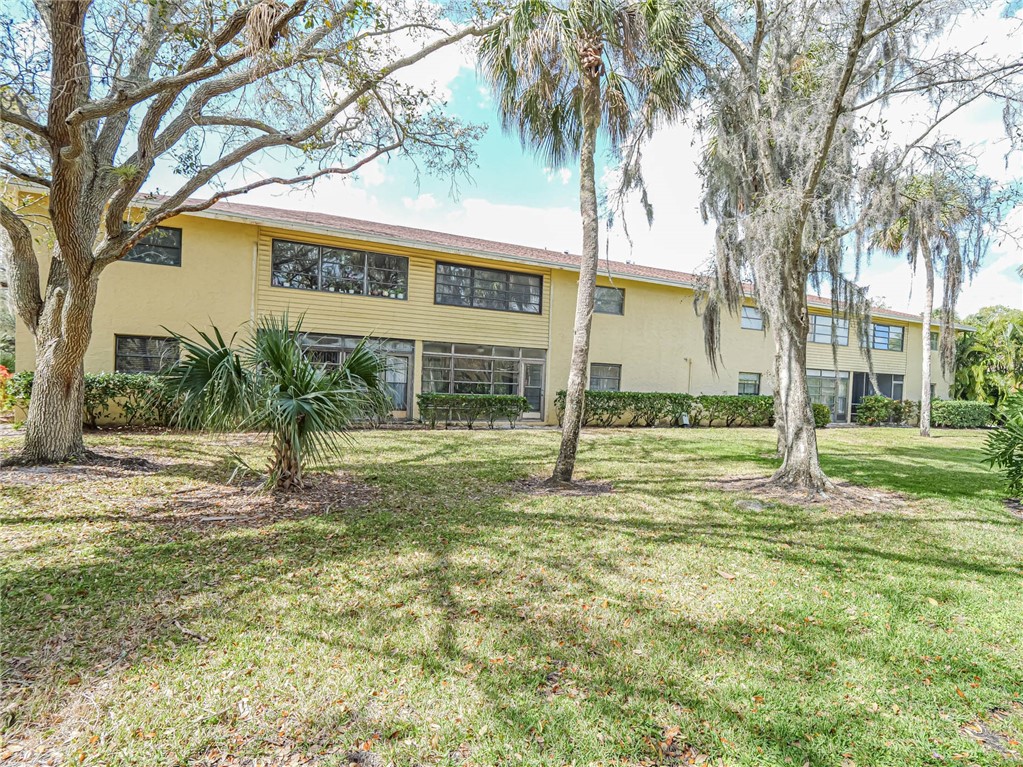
565, 73
267, 383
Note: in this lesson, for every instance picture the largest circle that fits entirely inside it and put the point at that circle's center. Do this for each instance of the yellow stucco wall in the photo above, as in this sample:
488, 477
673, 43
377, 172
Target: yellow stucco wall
224, 280
213, 286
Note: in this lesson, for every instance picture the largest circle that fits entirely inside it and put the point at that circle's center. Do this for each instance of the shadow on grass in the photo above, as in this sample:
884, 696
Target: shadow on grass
474, 561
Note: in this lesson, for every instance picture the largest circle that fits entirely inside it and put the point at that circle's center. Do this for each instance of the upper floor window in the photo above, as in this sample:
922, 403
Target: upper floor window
886, 337
481, 288
749, 383
338, 270
820, 329
144, 354
605, 377
162, 245
752, 319
934, 341
609, 300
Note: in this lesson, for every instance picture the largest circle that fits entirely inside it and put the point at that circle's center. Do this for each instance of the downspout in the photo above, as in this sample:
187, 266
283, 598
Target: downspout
255, 265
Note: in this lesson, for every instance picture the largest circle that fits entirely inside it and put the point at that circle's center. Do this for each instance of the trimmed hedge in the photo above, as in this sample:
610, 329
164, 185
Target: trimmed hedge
876, 409
821, 415
467, 409
143, 400
960, 414
629, 408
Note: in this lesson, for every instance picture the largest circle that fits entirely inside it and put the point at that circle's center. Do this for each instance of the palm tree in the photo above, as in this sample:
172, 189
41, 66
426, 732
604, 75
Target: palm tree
924, 224
269, 384
566, 72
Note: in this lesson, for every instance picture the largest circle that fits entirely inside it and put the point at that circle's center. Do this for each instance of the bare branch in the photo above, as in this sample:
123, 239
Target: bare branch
25, 175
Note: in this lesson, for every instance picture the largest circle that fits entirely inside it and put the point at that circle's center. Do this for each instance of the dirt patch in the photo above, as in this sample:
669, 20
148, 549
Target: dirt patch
843, 497
1014, 507
249, 505
93, 464
544, 486
980, 730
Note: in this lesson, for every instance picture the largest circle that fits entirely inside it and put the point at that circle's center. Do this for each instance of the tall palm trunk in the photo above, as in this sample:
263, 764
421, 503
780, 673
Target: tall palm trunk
576, 390
925, 366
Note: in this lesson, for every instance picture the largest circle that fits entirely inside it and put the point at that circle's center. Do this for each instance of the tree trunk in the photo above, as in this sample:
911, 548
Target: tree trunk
800, 469
285, 467
925, 367
576, 390
53, 430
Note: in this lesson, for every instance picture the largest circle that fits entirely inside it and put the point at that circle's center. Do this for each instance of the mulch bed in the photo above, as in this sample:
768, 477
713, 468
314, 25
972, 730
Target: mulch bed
544, 486
843, 497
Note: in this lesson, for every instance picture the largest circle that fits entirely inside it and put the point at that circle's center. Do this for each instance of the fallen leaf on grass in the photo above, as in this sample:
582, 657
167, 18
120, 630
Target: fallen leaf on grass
726, 575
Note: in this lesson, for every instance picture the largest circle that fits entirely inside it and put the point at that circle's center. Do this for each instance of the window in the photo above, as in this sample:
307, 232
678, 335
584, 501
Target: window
331, 350
604, 377
338, 270
820, 329
609, 300
752, 319
472, 369
886, 337
144, 354
826, 387
749, 383
488, 288
161, 245
934, 341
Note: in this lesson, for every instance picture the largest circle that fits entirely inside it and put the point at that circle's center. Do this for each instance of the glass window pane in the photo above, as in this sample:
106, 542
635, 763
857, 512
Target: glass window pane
162, 245
752, 319
144, 354
343, 271
295, 265
609, 300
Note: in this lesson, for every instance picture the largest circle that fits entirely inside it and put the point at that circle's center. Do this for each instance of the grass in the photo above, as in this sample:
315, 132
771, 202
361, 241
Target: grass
454, 621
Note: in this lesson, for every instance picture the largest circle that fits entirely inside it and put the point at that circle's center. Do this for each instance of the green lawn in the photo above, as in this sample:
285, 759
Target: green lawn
450, 619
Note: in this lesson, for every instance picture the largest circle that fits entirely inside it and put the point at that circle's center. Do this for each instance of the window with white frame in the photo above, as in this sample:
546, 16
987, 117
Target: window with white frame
609, 300
934, 341
749, 383
752, 319
605, 377
821, 329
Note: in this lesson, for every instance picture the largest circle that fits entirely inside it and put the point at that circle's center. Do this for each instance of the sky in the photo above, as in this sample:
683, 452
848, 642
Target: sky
512, 197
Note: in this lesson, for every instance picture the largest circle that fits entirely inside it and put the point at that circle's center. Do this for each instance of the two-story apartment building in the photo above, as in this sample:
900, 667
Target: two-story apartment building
456, 314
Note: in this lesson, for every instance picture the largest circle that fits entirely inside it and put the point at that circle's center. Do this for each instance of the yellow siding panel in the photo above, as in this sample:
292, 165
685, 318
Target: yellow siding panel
417, 317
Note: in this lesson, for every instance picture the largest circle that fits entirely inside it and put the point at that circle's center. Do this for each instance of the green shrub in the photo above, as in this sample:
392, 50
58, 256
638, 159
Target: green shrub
630, 408
876, 409
143, 400
960, 414
821, 415
467, 409
1004, 446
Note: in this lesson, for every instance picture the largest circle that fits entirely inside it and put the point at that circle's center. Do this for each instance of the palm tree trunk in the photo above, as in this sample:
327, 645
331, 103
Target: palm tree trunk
925, 367
576, 390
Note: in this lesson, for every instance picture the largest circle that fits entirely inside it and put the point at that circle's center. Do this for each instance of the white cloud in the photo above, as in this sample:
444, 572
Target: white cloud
421, 203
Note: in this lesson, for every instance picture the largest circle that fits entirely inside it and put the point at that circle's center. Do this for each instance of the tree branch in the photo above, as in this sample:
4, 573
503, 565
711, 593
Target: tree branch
24, 279
16, 118
25, 175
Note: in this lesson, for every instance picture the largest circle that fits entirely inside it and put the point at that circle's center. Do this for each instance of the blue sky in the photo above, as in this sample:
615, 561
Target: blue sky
513, 197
